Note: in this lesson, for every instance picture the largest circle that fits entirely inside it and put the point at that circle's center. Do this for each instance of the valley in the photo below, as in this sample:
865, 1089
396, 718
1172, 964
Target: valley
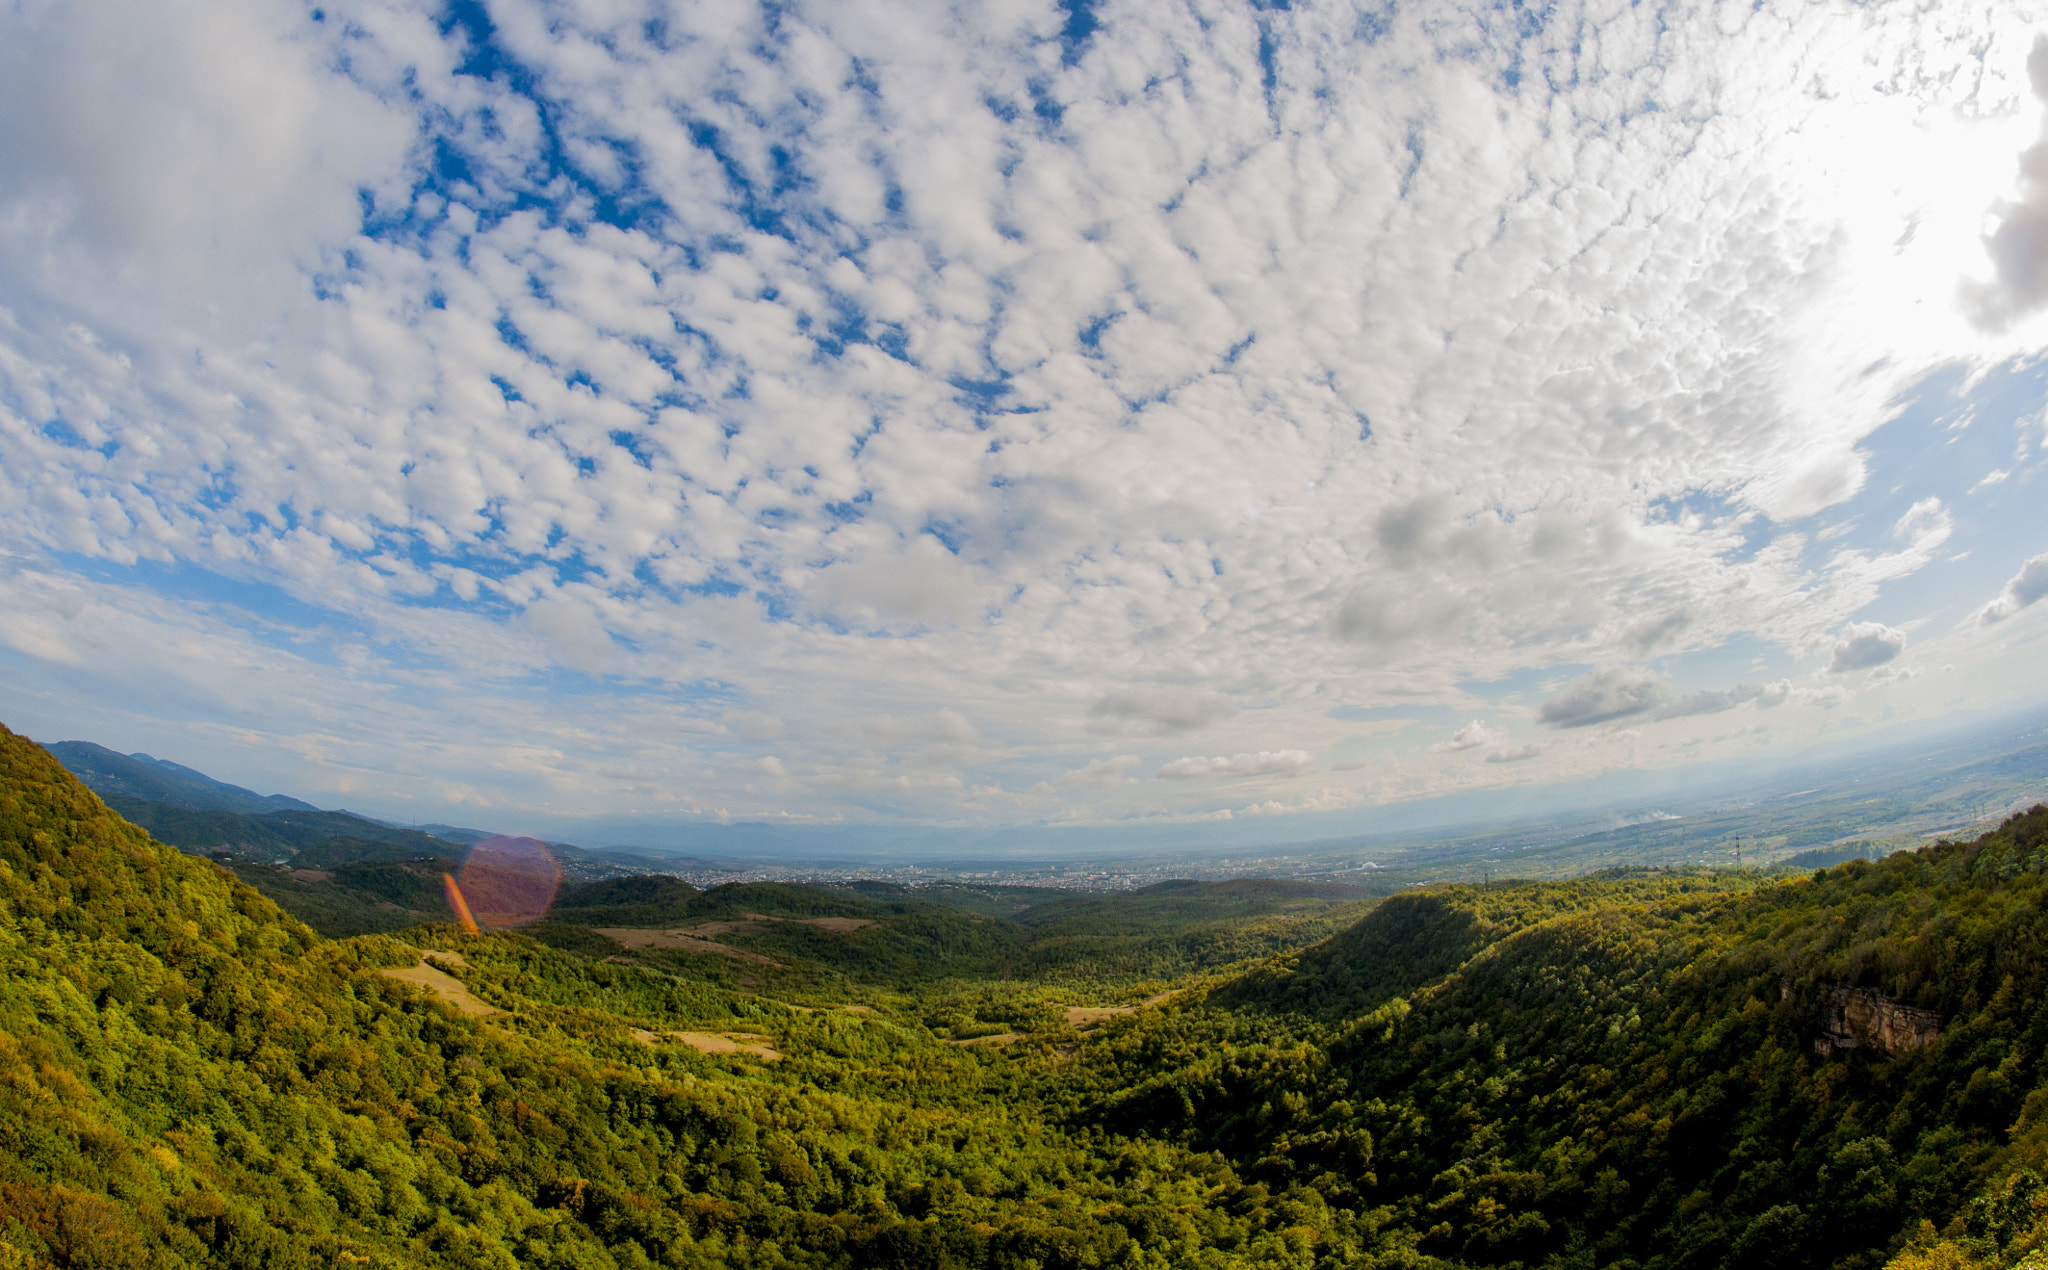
1637, 1067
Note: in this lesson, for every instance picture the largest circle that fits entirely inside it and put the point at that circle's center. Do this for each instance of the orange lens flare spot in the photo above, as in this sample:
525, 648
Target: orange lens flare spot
509, 881
456, 903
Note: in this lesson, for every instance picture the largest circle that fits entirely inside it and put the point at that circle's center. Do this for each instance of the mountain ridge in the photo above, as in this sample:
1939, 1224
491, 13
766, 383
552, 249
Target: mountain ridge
158, 780
188, 1077
1622, 1072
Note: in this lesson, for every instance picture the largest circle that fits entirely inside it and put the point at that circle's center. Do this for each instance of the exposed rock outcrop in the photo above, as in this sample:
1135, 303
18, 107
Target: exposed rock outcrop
1851, 1017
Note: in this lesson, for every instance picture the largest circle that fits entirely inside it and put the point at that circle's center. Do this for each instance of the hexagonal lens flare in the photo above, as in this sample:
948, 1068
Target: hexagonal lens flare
505, 881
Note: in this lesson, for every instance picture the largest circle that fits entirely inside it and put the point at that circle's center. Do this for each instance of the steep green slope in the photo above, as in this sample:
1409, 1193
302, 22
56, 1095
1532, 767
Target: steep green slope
1183, 902
1413, 939
340, 874
1179, 928
310, 839
898, 943
188, 1077
354, 898
880, 934
649, 900
988, 900
1633, 1070
1653, 1083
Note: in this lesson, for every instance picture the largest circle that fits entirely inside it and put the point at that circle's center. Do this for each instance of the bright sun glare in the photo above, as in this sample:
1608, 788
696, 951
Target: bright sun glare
1916, 190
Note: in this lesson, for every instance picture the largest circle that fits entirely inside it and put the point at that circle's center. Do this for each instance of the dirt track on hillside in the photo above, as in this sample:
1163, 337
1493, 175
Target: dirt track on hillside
1081, 1017
713, 1042
441, 984
681, 941
702, 938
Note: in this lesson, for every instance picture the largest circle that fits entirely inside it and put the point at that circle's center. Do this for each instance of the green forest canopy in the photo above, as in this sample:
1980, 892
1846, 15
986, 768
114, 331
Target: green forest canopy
1633, 1069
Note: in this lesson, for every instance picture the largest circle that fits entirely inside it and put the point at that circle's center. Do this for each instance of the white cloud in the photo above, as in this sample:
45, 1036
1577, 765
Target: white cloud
1470, 737
1864, 645
1158, 710
1101, 771
1623, 692
2019, 245
920, 583
1716, 700
573, 634
1614, 692
1263, 763
954, 728
1493, 745
2026, 587
1996, 476
1774, 694
754, 725
199, 145
1207, 406
1926, 524
943, 727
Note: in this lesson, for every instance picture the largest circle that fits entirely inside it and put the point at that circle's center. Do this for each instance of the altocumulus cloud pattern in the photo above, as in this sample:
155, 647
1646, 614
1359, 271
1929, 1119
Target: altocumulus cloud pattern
1010, 411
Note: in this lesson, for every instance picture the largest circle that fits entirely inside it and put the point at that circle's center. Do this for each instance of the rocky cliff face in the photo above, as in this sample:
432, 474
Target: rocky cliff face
1856, 1016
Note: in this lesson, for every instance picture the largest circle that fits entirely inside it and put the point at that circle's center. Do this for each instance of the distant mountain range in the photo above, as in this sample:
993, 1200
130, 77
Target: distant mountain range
1954, 781
105, 771
341, 872
1666, 1068
173, 787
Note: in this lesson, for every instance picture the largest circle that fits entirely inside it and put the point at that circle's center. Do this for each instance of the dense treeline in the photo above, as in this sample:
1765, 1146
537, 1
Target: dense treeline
1636, 1082
189, 1077
1637, 1069
912, 939
1417, 938
309, 839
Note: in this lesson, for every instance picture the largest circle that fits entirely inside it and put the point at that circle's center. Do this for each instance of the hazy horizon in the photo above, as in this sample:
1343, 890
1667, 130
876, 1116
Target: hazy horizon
1417, 830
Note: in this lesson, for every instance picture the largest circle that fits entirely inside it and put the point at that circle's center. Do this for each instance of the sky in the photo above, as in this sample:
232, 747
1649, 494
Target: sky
1014, 413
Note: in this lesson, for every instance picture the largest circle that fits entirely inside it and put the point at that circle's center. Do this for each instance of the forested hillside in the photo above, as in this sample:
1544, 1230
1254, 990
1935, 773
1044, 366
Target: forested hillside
142, 779
1647, 1068
189, 1077
1635, 1071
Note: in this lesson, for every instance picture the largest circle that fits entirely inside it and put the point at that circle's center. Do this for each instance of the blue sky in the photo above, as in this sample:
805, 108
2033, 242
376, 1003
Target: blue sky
1021, 414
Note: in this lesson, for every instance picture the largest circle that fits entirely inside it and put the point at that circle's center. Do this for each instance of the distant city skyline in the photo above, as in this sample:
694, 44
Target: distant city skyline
1036, 415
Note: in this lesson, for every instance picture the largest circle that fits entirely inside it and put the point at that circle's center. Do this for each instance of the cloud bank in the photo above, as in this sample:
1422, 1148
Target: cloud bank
1865, 645
2027, 587
2018, 246
1263, 763
612, 392
1614, 692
